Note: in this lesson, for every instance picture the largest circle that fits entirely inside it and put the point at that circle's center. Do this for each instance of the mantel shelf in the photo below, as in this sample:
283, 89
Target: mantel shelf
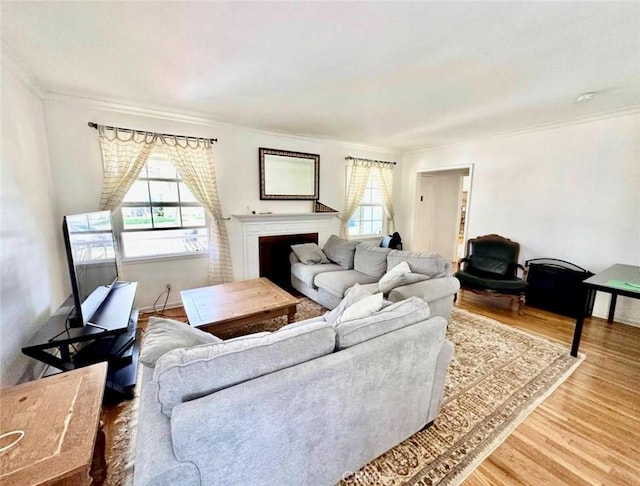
284, 216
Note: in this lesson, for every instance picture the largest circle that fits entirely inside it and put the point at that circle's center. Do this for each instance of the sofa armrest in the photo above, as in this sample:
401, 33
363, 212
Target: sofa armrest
427, 290
293, 258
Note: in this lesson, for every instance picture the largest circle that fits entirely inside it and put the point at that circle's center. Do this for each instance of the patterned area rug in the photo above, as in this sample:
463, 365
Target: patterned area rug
498, 376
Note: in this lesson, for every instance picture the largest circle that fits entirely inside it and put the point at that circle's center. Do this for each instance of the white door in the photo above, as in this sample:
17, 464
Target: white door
438, 210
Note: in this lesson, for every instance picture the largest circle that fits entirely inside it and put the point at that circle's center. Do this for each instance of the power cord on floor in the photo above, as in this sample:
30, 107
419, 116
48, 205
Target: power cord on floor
164, 306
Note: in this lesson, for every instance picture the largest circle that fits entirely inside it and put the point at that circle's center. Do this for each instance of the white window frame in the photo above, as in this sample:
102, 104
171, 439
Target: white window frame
365, 204
118, 221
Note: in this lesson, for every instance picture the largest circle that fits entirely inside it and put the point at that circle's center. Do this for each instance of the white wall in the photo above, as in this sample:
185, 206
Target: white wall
571, 193
77, 168
31, 274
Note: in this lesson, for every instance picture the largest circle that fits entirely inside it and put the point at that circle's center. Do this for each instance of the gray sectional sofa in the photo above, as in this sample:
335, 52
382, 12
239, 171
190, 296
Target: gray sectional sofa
306, 405
350, 263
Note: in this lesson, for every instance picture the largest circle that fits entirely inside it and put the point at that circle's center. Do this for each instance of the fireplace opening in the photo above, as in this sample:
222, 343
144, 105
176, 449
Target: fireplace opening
274, 257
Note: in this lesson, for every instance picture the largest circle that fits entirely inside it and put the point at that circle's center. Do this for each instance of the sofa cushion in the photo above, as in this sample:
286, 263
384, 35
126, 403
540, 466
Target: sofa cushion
336, 283
513, 286
307, 273
430, 264
362, 308
398, 276
395, 316
351, 296
186, 374
340, 251
163, 335
309, 253
371, 260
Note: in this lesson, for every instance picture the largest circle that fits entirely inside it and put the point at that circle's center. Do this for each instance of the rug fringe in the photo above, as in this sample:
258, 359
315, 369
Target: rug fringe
520, 418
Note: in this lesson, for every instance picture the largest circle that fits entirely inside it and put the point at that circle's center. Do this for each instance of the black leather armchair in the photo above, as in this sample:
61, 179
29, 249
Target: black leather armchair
491, 267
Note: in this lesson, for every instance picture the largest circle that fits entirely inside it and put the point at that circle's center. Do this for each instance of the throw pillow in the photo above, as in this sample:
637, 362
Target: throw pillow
370, 260
395, 316
309, 253
398, 276
164, 335
340, 251
362, 308
430, 264
400, 269
351, 296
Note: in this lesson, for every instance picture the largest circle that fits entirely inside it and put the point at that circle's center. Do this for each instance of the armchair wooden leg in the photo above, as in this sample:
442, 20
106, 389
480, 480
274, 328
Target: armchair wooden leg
521, 304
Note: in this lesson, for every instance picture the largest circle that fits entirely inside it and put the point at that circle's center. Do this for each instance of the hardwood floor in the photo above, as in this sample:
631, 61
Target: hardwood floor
588, 430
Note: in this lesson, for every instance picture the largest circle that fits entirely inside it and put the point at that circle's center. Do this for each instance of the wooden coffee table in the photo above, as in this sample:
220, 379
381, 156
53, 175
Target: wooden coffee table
63, 441
223, 309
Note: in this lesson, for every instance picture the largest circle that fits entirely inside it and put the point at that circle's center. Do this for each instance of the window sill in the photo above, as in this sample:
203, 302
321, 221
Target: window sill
164, 258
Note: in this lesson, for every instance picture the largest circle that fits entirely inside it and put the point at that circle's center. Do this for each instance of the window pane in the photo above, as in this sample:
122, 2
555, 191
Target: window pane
163, 191
193, 216
365, 228
136, 218
366, 198
150, 243
377, 212
366, 212
355, 219
376, 227
355, 229
165, 217
354, 226
185, 194
161, 169
139, 192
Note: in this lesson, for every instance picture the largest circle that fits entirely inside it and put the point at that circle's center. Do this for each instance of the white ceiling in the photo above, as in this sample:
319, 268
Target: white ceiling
398, 75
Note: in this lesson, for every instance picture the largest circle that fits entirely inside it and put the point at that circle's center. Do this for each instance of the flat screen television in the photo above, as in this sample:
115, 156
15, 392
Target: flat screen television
91, 254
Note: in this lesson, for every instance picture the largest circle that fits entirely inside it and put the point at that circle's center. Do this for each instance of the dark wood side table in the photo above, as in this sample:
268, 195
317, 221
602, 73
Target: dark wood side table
63, 442
616, 280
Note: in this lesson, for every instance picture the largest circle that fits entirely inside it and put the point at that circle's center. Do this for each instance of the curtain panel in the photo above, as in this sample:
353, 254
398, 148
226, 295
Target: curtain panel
125, 153
196, 166
361, 170
123, 156
359, 176
385, 180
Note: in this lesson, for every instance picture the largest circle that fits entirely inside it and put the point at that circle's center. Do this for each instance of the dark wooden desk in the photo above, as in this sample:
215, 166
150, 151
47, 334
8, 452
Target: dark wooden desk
614, 280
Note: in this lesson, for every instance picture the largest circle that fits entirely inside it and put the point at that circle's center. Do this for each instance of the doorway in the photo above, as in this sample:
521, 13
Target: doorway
441, 209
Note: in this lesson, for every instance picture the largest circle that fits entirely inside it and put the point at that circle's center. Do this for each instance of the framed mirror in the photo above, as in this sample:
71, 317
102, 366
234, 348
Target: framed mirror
289, 175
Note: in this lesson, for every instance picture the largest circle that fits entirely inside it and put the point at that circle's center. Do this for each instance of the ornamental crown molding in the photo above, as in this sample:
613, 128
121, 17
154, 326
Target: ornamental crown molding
195, 118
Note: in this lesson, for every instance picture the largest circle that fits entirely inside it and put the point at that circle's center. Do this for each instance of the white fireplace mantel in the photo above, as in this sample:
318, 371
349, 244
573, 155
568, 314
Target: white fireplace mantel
272, 224
259, 217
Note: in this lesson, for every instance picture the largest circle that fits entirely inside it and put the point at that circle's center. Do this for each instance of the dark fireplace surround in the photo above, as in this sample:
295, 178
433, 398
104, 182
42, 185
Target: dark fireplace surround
273, 255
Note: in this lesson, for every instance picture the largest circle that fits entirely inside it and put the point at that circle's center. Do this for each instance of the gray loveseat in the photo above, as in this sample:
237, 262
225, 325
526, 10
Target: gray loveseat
305, 405
351, 263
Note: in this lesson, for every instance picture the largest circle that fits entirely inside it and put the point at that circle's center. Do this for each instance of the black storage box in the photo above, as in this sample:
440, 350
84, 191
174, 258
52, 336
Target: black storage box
554, 285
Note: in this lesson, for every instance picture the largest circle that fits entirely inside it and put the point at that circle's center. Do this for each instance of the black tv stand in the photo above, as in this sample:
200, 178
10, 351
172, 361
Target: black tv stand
112, 336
